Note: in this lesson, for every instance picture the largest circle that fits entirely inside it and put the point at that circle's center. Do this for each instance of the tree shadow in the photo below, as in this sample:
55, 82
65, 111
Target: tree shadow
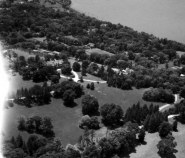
168, 156
70, 105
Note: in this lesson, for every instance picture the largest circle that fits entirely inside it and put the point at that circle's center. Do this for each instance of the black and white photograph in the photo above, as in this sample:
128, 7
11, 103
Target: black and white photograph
92, 78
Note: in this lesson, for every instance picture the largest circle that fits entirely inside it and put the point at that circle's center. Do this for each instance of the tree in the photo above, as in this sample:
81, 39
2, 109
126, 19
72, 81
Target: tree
88, 86
164, 129
89, 122
71, 152
141, 135
76, 66
68, 97
92, 86
19, 141
21, 124
182, 92
166, 148
83, 72
31, 144
85, 64
66, 68
55, 79
90, 105
122, 64
38, 123
107, 150
111, 114
47, 128
91, 151
175, 126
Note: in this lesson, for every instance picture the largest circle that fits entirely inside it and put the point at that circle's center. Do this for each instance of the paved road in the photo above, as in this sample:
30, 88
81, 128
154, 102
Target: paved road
76, 78
167, 105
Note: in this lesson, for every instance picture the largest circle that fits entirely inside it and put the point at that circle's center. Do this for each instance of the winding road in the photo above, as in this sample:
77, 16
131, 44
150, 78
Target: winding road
167, 105
76, 78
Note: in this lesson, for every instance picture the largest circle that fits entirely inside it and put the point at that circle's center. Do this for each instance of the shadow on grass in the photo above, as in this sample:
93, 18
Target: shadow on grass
70, 105
138, 143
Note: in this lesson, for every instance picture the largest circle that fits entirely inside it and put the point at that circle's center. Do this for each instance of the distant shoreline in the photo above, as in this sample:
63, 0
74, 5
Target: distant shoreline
162, 26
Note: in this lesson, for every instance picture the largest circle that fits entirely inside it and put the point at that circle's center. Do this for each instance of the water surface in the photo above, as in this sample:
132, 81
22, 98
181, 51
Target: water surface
163, 18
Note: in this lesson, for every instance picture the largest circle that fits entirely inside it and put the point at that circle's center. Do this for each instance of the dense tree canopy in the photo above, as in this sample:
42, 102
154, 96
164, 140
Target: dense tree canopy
90, 105
111, 114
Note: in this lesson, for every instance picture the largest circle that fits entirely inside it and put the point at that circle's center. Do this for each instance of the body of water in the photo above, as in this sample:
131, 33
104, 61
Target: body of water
163, 18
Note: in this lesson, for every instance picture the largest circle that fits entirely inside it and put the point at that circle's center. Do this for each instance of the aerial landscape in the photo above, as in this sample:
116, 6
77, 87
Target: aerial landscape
93, 78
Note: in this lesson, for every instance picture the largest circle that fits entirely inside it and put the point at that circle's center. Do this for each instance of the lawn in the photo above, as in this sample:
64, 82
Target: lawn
65, 119
124, 98
24, 53
180, 139
99, 51
180, 53
150, 149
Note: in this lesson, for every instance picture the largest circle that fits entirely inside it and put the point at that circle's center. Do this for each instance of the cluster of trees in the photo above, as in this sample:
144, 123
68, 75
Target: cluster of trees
153, 121
76, 66
35, 95
112, 115
159, 95
90, 105
68, 91
89, 122
35, 146
90, 86
137, 113
56, 25
36, 124
120, 141
66, 68
166, 145
35, 69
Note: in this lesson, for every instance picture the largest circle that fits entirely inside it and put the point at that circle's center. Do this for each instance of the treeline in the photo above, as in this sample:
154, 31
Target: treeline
37, 94
159, 95
68, 91
55, 25
40, 95
35, 69
36, 124
40, 147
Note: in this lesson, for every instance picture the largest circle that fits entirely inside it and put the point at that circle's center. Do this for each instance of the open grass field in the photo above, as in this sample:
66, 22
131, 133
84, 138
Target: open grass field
24, 53
180, 139
150, 149
65, 119
96, 50
180, 53
124, 98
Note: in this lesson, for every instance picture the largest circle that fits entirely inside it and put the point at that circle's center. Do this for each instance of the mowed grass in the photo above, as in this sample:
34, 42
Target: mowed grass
150, 149
180, 139
124, 98
98, 51
65, 119
180, 53
24, 53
